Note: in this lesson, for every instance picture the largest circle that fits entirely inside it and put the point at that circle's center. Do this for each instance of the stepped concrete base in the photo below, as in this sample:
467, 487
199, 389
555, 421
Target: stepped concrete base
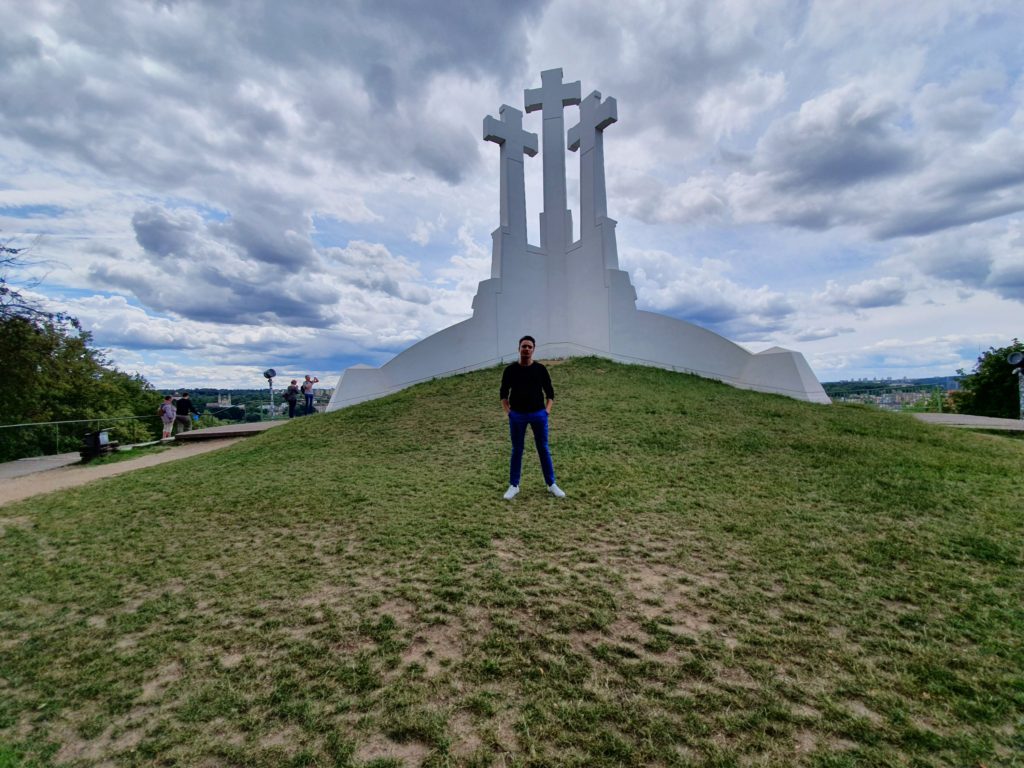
644, 339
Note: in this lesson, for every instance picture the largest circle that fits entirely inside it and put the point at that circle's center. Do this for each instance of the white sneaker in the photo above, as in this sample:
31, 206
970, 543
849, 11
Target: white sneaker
512, 491
557, 492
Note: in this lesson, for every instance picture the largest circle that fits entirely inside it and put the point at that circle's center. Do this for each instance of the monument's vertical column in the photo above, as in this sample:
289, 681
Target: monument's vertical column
588, 137
555, 222
508, 133
586, 264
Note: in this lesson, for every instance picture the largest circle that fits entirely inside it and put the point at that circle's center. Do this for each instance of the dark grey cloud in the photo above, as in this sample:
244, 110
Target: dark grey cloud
658, 60
851, 158
471, 37
869, 294
380, 83
966, 183
181, 97
221, 272
817, 334
836, 143
1008, 280
927, 219
15, 48
987, 257
703, 295
969, 264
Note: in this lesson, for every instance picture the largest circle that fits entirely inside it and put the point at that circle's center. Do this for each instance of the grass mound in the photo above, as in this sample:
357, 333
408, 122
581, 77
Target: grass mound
734, 579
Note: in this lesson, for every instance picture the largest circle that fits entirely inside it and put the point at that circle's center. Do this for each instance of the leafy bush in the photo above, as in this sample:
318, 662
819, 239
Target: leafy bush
990, 389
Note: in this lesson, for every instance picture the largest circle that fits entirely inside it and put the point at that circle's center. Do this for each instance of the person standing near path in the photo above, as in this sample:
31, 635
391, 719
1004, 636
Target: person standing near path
292, 395
167, 413
184, 409
307, 390
527, 397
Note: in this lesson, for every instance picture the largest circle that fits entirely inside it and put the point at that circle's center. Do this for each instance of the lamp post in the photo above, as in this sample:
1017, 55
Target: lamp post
269, 375
1017, 358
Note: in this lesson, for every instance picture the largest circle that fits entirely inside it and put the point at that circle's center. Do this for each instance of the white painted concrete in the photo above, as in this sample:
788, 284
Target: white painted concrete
571, 296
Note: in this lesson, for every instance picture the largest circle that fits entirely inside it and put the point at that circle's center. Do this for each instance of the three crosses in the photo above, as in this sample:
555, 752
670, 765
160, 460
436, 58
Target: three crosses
586, 137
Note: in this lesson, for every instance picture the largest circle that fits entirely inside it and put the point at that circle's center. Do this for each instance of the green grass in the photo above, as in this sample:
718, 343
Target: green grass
734, 579
115, 457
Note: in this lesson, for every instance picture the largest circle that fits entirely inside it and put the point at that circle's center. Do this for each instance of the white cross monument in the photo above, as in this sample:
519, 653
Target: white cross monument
571, 296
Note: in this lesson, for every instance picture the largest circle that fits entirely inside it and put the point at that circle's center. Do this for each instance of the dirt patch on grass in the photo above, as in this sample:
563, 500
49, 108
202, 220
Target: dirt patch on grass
74, 748
805, 742
465, 738
433, 647
860, 709
508, 550
402, 611
153, 689
378, 747
20, 521
231, 660
286, 739
804, 712
122, 735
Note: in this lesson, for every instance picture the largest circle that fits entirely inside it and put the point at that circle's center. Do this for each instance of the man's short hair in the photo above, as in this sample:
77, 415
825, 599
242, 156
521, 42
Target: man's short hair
528, 338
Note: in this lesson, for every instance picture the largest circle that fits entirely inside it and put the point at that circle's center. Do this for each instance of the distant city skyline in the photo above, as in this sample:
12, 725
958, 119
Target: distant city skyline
304, 187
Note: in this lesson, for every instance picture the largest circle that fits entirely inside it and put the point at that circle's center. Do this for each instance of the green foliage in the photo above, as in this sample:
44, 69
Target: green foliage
936, 401
734, 579
53, 374
209, 420
990, 389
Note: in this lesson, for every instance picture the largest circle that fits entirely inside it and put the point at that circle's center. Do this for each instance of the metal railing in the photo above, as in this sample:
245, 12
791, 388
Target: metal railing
45, 438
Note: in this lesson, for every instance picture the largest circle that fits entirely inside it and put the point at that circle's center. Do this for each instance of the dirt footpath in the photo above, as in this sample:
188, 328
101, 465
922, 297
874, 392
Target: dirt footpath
26, 486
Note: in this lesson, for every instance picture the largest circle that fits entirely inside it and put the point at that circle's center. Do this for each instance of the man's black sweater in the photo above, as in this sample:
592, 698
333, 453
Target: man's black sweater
525, 387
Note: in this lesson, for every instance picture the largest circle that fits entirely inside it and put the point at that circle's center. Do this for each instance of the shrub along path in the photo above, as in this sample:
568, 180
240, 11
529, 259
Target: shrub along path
733, 579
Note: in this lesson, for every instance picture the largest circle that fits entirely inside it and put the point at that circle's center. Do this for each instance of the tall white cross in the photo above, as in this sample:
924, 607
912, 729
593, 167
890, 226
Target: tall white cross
508, 133
588, 137
551, 98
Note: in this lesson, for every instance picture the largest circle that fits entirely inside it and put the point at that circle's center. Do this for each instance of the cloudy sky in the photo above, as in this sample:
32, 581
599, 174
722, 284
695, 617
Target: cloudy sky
226, 186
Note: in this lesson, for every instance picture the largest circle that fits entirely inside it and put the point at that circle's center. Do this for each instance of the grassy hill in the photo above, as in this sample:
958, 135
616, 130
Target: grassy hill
734, 579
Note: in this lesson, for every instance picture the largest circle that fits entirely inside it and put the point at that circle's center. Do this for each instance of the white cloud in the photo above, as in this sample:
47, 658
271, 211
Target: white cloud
704, 294
309, 182
728, 109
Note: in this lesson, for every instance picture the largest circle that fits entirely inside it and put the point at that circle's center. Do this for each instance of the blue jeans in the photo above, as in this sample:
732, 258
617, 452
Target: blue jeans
309, 403
517, 423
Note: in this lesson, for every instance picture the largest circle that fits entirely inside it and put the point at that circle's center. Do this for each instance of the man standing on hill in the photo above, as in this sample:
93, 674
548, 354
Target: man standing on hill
527, 397
183, 412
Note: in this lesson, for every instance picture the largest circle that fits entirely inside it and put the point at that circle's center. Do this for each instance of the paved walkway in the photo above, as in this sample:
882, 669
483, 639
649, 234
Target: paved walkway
972, 422
58, 479
230, 430
22, 467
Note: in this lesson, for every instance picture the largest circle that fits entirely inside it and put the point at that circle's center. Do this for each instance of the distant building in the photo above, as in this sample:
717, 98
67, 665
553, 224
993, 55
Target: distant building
224, 409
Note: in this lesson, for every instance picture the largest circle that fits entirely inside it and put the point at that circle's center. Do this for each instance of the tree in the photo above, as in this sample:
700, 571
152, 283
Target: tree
991, 388
51, 372
13, 302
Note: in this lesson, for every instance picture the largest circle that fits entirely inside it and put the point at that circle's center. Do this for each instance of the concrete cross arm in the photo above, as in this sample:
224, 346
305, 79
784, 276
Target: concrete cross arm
553, 93
594, 116
509, 131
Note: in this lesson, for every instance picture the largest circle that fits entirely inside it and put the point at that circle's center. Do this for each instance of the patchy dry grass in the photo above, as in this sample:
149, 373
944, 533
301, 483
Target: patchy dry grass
734, 579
